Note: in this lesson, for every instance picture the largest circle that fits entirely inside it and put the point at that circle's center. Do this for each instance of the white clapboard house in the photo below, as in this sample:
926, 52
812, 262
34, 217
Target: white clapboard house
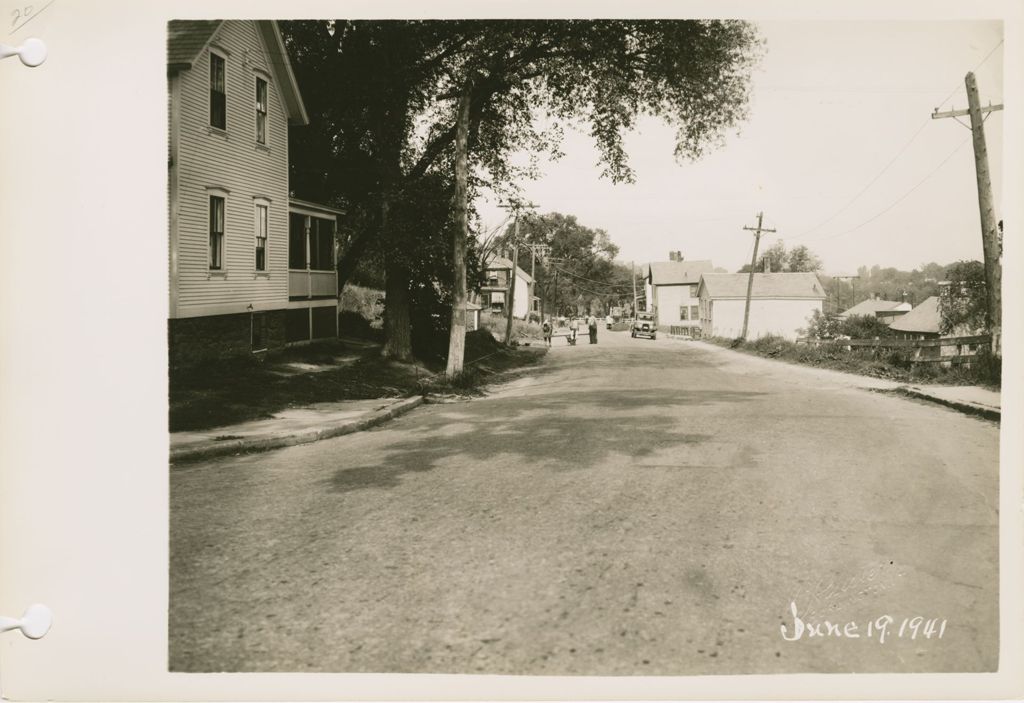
250, 269
671, 291
780, 303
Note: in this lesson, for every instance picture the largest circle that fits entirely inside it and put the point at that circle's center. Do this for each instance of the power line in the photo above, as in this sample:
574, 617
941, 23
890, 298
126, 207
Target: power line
898, 200
588, 280
893, 160
865, 188
980, 64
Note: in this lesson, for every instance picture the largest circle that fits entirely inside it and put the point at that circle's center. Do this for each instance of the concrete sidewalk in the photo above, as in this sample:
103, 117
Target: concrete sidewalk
969, 399
288, 427
973, 400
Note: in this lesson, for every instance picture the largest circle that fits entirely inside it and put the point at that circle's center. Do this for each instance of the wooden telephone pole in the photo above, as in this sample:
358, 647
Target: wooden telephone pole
989, 227
511, 302
753, 262
632, 274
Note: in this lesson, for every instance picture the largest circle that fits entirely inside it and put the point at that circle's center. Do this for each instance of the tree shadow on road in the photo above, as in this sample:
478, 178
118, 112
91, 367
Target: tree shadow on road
563, 430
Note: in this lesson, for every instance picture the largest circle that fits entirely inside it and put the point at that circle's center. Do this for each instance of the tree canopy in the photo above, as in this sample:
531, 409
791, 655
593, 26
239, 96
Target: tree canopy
777, 259
383, 97
963, 306
578, 273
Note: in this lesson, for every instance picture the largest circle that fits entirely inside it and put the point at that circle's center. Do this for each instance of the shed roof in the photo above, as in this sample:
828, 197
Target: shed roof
186, 40
673, 273
870, 307
923, 318
766, 285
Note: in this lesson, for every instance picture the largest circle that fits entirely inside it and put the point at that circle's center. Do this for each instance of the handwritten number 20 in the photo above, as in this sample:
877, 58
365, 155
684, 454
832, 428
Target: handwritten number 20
18, 14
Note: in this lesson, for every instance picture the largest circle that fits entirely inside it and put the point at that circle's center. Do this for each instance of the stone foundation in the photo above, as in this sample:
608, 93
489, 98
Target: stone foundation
193, 340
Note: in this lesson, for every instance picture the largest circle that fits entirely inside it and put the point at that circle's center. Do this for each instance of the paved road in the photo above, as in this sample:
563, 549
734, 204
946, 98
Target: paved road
636, 507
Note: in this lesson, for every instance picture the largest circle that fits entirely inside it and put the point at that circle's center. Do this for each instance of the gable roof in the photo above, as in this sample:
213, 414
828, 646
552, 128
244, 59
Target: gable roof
672, 273
186, 40
870, 307
923, 318
766, 285
501, 263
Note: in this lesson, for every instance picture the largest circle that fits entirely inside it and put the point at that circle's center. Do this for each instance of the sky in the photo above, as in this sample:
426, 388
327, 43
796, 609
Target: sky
834, 104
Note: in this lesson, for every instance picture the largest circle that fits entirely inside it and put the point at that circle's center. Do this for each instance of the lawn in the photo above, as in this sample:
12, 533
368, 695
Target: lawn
228, 392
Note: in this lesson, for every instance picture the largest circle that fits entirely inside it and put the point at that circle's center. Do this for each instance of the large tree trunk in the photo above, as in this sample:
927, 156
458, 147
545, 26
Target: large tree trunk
457, 339
397, 323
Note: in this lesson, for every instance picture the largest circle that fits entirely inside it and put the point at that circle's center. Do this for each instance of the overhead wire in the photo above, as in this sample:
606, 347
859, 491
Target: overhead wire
889, 164
898, 200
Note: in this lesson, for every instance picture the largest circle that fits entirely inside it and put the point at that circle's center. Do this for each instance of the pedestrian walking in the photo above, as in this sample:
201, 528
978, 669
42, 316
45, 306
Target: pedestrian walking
546, 329
592, 326
574, 327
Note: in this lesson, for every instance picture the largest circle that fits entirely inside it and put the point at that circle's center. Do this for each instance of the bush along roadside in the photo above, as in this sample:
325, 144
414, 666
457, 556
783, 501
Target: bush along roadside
893, 364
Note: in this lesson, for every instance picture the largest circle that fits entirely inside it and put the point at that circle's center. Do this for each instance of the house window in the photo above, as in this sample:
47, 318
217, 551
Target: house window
216, 233
694, 312
261, 236
261, 111
218, 94
684, 313
492, 280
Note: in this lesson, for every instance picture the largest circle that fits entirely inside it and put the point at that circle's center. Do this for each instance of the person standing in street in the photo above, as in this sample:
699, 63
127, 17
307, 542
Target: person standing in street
546, 328
574, 326
592, 325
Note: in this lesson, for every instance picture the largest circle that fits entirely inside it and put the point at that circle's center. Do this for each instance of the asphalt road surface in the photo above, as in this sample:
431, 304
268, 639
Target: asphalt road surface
634, 507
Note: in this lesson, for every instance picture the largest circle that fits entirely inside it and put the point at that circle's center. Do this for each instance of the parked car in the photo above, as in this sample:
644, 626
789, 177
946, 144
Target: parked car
645, 325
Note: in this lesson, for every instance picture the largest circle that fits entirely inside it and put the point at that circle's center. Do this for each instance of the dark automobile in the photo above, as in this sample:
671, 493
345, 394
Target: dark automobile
645, 325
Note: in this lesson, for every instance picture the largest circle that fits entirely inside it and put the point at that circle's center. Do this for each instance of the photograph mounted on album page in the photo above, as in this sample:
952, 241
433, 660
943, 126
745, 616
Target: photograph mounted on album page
510, 351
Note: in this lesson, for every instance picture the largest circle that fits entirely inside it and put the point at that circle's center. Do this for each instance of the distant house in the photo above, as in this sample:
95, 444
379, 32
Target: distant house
250, 268
780, 303
920, 323
495, 289
670, 288
884, 310
924, 322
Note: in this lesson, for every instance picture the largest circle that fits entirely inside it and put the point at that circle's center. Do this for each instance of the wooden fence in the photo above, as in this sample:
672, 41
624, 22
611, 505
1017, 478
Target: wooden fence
925, 350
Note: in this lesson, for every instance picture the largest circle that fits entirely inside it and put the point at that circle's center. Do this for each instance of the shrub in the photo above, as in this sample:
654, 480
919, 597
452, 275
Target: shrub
986, 367
361, 300
863, 327
496, 325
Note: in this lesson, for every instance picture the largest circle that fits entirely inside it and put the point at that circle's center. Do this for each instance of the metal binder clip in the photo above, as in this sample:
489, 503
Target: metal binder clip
32, 52
33, 624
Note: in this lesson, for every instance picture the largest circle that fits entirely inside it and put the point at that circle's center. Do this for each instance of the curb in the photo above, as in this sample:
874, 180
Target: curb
266, 443
986, 412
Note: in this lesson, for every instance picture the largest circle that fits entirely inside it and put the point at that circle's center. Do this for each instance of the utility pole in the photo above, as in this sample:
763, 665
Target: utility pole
753, 262
989, 228
632, 274
511, 302
542, 250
